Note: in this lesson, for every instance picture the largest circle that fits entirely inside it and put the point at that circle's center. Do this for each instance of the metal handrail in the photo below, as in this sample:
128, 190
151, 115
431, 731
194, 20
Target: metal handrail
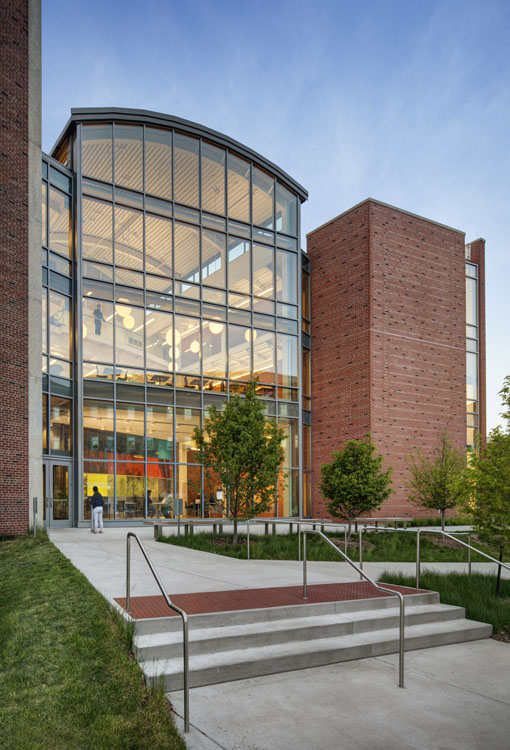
373, 583
172, 606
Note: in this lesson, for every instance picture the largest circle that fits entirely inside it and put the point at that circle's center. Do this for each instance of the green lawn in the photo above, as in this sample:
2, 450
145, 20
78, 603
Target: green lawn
475, 593
377, 547
67, 679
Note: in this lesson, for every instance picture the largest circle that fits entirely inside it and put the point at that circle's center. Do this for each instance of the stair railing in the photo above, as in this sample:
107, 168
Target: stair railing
172, 606
372, 582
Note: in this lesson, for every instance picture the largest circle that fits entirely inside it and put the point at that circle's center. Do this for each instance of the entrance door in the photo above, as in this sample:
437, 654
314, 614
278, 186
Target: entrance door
57, 486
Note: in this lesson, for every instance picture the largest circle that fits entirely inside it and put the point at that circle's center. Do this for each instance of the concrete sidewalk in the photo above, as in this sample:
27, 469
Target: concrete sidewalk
456, 697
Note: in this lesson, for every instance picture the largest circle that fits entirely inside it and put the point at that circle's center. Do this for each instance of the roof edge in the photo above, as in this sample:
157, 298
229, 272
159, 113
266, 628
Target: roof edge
91, 114
387, 205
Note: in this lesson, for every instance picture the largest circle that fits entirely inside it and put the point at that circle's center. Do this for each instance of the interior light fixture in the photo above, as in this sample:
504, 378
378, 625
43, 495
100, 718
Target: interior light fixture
250, 335
122, 310
84, 331
129, 322
194, 346
215, 328
168, 337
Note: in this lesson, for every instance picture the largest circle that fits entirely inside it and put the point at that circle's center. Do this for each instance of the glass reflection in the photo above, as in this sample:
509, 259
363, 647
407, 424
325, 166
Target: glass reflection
98, 474
60, 426
97, 330
213, 258
186, 169
160, 430
263, 198
44, 197
187, 243
98, 429
44, 423
286, 210
471, 376
471, 302
129, 238
97, 230
130, 431
263, 270
158, 245
44, 312
238, 188
60, 326
96, 154
213, 179
214, 349
158, 162
60, 222
128, 156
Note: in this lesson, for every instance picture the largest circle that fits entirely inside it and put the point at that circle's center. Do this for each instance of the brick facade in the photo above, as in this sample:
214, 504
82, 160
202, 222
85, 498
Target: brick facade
14, 458
388, 338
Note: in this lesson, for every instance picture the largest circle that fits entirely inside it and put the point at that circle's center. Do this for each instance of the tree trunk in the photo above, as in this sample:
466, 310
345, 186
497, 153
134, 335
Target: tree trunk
235, 529
349, 529
498, 579
442, 518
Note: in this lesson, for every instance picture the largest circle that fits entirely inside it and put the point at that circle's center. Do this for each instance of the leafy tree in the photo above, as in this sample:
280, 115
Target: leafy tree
242, 450
488, 480
436, 480
354, 482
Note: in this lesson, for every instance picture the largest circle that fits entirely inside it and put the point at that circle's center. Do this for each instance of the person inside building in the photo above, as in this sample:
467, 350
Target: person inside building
96, 504
98, 320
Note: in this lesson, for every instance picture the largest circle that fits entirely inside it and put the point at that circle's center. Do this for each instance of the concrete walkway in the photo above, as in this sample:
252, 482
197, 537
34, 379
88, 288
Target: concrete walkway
456, 697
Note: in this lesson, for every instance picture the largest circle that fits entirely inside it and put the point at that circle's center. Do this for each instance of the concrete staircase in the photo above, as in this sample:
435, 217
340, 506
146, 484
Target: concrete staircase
229, 646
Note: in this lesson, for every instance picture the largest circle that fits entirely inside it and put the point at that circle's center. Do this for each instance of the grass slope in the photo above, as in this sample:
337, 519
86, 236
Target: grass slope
67, 679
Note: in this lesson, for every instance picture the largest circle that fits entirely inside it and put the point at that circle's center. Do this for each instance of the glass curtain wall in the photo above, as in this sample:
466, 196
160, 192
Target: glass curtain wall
190, 286
472, 341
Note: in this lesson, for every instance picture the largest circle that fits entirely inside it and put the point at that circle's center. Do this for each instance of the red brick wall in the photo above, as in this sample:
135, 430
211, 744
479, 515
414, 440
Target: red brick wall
477, 254
388, 338
14, 487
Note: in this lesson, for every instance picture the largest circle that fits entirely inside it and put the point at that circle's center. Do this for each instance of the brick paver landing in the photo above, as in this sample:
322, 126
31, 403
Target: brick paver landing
228, 601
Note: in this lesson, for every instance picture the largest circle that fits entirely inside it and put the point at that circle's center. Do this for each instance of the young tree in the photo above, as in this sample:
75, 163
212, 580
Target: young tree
436, 480
354, 482
243, 451
488, 480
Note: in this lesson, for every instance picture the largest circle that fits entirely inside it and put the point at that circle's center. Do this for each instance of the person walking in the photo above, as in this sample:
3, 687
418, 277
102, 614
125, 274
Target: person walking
96, 504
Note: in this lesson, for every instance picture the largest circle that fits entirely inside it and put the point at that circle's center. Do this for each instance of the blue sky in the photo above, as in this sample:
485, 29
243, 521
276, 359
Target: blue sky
404, 101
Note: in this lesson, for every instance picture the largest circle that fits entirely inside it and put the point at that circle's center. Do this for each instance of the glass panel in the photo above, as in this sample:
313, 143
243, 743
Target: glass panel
44, 423
213, 258
214, 311
185, 422
44, 198
307, 494
158, 245
214, 502
158, 162
129, 325
128, 375
160, 491
287, 311
185, 306
263, 235
291, 443
186, 169
97, 330
128, 238
60, 368
214, 222
128, 296
264, 356
60, 326
471, 345
60, 426
305, 295
263, 306
98, 430
130, 431
241, 230
97, 189
287, 326
471, 332
287, 360
128, 156
97, 230
242, 317
286, 276
239, 265
288, 493
130, 485
131, 278
187, 214
239, 352
60, 492
263, 321
286, 211
287, 242
238, 188
307, 377
128, 198
213, 295
96, 153
263, 268
56, 263
60, 222
187, 345
188, 490
213, 179
158, 340
214, 349
44, 321
263, 198
471, 302
45, 170
307, 447
471, 270
187, 252
160, 433
98, 474
471, 437
60, 180
97, 271
471, 375
472, 406
159, 285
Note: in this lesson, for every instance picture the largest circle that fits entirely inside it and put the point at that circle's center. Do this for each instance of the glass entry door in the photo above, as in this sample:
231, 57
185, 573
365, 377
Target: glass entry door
57, 493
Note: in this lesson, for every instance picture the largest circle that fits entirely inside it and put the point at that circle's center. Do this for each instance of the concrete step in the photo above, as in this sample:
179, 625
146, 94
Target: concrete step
240, 617
225, 666
258, 634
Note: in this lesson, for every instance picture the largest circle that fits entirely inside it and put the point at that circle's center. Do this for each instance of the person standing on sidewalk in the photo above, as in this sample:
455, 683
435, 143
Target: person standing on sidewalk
96, 504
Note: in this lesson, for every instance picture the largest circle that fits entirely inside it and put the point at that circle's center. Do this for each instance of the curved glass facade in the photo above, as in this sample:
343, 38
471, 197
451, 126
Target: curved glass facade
188, 283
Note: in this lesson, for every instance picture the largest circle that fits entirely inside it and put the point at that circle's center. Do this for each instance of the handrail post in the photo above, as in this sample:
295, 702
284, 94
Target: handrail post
401, 643
345, 539
128, 573
185, 644
305, 595
361, 552
248, 539
418, 558
469, 554
299, 541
